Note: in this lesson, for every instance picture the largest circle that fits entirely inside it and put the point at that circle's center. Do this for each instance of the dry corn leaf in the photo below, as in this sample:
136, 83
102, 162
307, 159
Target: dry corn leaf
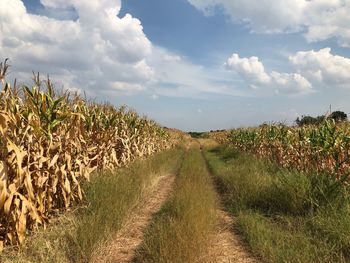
22, 223
8, 202
48, 163
54, 160
29, 186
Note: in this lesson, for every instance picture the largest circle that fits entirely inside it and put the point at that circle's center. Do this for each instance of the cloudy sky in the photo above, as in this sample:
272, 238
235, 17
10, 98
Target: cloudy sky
189, 64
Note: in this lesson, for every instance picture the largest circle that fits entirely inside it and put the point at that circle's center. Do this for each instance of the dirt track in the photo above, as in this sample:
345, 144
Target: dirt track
123, 247
227, 246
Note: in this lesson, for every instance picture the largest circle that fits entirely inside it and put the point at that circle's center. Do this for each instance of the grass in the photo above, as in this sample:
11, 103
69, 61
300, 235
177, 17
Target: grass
284, 215
179, 232
109, 198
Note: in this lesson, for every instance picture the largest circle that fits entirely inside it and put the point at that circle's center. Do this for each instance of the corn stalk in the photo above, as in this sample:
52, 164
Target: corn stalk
50, 143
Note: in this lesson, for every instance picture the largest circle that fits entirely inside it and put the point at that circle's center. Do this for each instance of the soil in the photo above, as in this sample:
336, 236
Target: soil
227, 246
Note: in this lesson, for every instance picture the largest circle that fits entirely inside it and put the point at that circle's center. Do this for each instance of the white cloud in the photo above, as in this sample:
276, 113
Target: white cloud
322, 19
250, 68
290, 83
98, 52
263, 16
100, 49
323, 67
253, 72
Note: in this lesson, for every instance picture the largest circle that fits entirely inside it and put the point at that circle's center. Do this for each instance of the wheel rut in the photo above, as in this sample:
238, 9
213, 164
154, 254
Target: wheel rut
122, 248
227, 246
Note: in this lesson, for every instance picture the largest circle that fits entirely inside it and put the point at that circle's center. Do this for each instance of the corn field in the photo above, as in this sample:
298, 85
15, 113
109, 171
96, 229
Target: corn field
321, 149
50, 143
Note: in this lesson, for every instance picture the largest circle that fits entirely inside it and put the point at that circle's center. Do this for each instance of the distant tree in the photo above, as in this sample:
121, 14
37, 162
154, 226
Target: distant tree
338, 116
197, 134
309, 120
320, 119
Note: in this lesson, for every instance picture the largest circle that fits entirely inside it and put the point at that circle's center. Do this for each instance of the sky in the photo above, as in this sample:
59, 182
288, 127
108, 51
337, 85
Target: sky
196, 65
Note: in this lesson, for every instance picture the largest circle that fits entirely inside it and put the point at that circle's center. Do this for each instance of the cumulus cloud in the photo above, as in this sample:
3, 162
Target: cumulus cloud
99, 49
253, 71
321, 19
263, 16
323, 67
250, 68
290, 83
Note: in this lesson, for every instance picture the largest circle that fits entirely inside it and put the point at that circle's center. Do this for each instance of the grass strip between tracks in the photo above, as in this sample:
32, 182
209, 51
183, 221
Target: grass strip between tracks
180, 231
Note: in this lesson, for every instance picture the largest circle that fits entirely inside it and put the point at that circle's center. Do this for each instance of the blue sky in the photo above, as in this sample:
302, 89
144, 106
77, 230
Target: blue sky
188, 64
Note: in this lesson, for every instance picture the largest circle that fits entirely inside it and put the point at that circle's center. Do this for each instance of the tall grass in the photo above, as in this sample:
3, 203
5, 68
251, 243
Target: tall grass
109, 198
285, 216
180, 231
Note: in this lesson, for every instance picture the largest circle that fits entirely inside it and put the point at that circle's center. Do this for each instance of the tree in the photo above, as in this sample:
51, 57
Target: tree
338, 116
309, 120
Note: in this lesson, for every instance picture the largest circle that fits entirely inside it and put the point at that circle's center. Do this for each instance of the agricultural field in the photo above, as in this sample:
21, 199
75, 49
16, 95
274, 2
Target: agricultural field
88, 182
323, 148
52, 143
74, 171
180, 131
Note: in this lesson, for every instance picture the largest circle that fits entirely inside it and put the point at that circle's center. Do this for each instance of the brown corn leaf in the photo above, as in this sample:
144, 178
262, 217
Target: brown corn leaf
8, 202
54, 160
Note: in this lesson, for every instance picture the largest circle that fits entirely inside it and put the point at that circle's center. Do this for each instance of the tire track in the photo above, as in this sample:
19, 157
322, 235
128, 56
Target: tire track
122, 248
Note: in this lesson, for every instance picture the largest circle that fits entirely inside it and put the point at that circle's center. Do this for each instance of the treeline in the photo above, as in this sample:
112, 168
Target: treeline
197, 134
337, 116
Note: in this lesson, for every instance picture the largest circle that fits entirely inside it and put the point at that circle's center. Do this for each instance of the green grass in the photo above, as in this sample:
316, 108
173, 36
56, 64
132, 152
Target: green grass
109, 198
179, 232
284, 215
278, 242
197, 135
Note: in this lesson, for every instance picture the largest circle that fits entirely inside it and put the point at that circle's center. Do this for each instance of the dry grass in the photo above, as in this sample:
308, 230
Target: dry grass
208, 142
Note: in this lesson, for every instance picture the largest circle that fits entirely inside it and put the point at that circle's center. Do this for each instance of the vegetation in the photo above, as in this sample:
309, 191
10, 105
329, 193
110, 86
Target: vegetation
197, 135
180, 231
309, 120
322, 149
284, 215
51, 143
109, 198
59, 151
337, 116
